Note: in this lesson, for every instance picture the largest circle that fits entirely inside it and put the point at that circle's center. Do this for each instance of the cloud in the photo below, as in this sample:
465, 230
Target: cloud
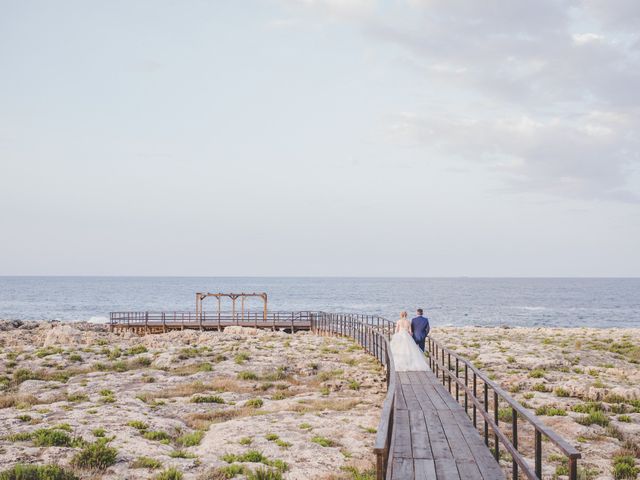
543, 93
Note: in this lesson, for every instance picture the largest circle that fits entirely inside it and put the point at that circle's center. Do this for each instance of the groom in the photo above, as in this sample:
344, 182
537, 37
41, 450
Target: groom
420, 329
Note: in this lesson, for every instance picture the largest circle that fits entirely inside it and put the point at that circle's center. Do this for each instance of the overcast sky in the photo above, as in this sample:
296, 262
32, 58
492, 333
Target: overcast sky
320, 137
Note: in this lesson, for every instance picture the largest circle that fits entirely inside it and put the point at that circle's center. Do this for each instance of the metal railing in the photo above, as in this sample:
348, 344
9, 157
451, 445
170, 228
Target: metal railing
373, 334
459, 372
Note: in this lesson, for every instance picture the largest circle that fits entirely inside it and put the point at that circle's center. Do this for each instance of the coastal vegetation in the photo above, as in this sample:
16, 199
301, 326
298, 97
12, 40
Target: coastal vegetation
181, 404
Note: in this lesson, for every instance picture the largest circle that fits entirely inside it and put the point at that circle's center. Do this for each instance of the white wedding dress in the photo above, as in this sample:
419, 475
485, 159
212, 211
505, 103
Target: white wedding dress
407, 356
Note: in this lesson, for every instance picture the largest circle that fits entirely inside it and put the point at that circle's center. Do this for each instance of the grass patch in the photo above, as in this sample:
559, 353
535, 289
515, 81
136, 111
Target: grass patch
551, 411
323, 441
51, 437
537, 373
596, 417
169, 474
241, 358
624, 467
207, 399
146, 462
95, 456
254, 403
190, 439
37, 472
138, 424
157, 435
561, 392
247, 375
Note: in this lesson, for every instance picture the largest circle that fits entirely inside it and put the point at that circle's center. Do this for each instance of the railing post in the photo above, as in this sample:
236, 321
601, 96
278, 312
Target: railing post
457, 373
496, 418
475, 395
486, 409
466, 386
538, 453
573, 468
449, 371
514, 432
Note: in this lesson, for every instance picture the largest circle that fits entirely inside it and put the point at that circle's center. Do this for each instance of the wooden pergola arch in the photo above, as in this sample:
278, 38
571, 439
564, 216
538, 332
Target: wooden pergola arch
233, 296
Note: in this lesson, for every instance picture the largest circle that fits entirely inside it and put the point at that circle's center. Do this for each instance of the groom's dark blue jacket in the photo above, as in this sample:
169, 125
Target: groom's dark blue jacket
420, 328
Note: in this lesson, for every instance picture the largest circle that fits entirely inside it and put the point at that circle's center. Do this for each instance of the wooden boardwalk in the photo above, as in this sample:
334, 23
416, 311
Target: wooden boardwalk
433, 438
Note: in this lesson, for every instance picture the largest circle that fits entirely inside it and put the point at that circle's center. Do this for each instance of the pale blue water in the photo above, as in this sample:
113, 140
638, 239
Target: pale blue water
447, 301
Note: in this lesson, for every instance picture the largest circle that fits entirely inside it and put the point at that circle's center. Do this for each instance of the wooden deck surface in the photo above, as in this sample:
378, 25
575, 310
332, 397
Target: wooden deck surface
433, 438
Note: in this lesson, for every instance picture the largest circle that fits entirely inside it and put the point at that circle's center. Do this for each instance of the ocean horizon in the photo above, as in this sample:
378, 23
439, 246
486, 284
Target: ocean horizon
448, 301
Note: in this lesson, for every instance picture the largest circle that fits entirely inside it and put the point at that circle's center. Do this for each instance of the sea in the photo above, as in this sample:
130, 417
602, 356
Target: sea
530, 302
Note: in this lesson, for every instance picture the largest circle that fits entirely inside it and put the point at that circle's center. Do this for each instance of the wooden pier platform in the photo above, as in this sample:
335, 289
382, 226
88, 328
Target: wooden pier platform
433, 438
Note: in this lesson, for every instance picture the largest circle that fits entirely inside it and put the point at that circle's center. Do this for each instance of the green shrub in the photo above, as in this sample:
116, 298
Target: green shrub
205, 367
137, 350
74, 357
588, 407
624, 467
624, 418
245, 441
551, 411
169, 474
95, 456
138, 424
272, 437
504, 414
263, 473
537, 373
207, 399
190, 439
539, 387
146, 462
99, 432
254, 403
354, 385
561, 392
36, 472
323, 442
77, 397
246, 375
51, 437
158, 435
596, 417
21, 375
241, 358
226, 472
24, 418
181, 454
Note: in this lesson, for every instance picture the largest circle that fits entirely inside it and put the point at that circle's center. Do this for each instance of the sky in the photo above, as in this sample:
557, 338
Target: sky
320, 137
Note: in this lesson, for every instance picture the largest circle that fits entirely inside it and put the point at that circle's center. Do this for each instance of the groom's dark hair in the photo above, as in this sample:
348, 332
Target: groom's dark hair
420, 312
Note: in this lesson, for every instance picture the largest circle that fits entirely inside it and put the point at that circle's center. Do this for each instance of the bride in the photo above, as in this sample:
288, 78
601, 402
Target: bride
407, 356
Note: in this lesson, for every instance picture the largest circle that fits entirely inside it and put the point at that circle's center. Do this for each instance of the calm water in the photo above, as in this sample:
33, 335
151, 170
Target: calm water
448, 301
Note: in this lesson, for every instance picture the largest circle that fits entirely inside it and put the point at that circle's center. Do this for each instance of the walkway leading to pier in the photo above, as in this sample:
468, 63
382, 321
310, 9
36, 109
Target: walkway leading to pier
433, 437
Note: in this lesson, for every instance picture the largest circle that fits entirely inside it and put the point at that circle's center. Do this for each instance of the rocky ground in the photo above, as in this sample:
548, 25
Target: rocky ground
584, 383
192, 405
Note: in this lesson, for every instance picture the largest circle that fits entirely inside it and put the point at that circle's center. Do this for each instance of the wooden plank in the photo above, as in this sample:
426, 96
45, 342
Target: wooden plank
420, 445
468, 470
437, 437
446, 469
410, 397
400, 404
404, 378
424, 469
457, 442
445, 395
402, 435
402, 469
422, 397
432, 395
485, 461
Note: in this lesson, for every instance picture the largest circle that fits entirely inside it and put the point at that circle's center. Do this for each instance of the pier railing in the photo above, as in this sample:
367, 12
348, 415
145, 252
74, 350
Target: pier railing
466, 379
373, 334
